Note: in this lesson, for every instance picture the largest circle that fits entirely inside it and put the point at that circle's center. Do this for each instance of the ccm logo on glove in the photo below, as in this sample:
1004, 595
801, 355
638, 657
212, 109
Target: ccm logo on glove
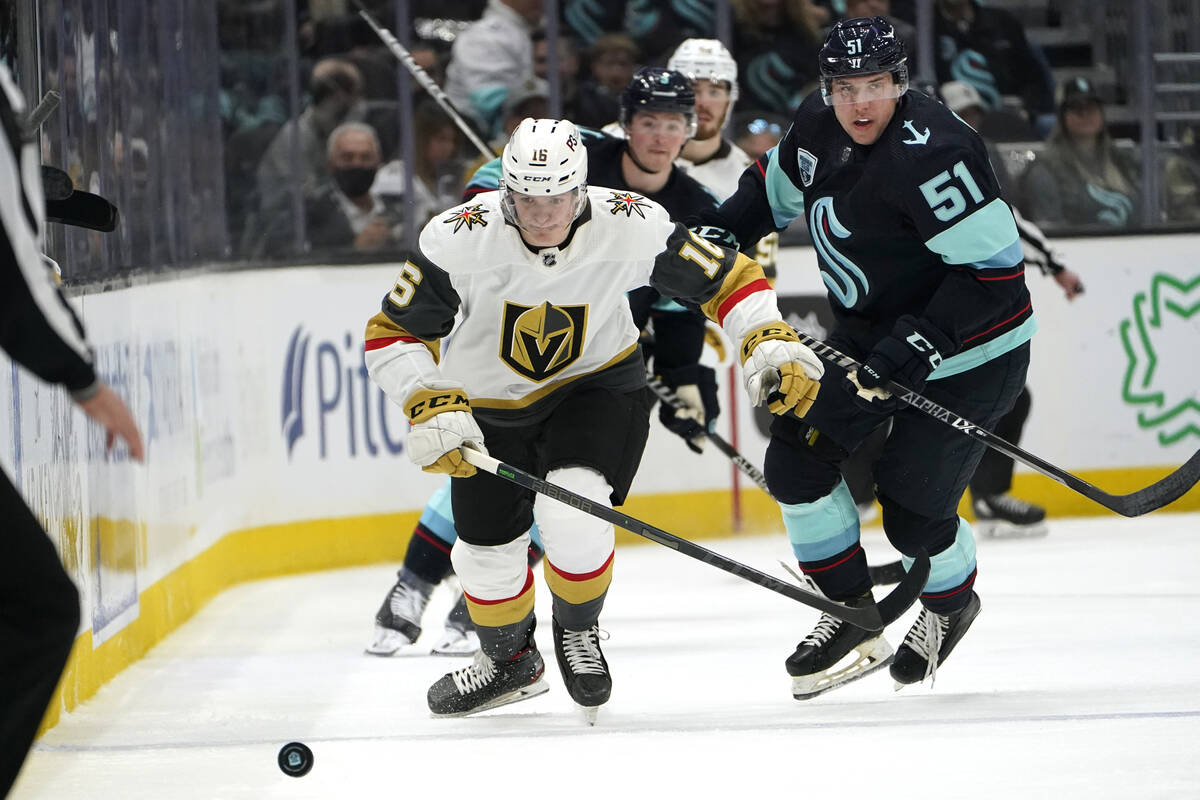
423, 404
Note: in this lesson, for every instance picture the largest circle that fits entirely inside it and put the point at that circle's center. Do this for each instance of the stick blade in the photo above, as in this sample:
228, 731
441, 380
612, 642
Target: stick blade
1159, 494
906, 593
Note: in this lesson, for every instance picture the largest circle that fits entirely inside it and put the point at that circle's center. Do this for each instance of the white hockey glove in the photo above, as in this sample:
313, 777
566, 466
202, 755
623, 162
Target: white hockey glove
779, 369
442, 422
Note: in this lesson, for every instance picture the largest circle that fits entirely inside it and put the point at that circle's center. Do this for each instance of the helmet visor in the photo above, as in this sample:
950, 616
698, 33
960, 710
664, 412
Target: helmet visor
856, 89
542, 212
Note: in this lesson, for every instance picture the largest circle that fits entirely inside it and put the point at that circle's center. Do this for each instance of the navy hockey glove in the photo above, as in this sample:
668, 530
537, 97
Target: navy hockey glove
912, 351
718, 236
695, 387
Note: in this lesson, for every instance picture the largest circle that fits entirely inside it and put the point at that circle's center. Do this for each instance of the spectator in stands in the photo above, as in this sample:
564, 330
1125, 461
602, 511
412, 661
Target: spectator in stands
336, 89
612, 61
1082, 178
343, 213
986, 47
963, 99
438, 175
530, 99
491, 57
775, 44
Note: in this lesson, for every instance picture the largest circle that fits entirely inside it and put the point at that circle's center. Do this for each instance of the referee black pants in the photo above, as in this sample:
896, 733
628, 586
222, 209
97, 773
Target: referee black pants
39, 617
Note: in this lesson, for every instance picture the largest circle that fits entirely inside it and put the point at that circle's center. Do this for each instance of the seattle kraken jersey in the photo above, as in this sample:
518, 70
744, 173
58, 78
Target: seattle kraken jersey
913, 224
536, 323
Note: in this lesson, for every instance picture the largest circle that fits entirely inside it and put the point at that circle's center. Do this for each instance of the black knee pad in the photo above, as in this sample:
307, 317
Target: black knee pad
801, 464
909, 531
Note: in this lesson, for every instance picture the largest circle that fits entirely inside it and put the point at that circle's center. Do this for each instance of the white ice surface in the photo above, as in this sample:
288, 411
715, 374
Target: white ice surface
1080, 679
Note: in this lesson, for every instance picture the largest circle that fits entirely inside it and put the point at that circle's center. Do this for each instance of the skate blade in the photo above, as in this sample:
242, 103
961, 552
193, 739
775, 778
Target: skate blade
589, 714
387, 642
874, 656
517, 695
456, 644
997, 529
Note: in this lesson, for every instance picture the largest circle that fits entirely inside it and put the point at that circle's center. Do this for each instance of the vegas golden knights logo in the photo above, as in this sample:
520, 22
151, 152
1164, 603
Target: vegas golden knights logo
541, 341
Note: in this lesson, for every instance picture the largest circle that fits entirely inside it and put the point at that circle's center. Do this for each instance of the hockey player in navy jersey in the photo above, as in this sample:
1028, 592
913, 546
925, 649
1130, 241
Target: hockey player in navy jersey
545, 373
924, 270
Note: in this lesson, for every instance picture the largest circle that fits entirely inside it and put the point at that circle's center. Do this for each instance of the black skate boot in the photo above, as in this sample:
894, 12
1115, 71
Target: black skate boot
583, 668
812, 665
398, 621
1004, 516
459, 638
488, 684
934, 634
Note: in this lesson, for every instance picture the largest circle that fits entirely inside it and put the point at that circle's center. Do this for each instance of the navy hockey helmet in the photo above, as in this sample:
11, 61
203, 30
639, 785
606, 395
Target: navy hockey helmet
863, 46
658, 89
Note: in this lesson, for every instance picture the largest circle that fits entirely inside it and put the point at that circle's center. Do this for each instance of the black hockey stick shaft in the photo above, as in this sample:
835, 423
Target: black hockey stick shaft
881, 574
668, 396
1134, 504
427, 83
871, 618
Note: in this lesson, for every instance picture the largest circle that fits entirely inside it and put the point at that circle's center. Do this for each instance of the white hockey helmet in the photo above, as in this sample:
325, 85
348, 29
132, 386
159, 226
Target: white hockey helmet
707, 60
543, 157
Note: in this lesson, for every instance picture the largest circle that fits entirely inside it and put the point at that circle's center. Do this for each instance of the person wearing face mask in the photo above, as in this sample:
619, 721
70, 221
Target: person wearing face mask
336, 90
343, 213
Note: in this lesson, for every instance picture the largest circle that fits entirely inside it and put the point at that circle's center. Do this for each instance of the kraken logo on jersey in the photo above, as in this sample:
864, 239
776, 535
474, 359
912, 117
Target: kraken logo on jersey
628, 203
469, 216
842, 276
541, 341
807, 163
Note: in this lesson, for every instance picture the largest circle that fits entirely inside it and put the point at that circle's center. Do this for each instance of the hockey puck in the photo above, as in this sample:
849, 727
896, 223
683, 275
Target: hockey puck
295, 759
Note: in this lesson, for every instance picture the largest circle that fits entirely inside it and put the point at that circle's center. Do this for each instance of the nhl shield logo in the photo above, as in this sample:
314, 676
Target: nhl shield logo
808, 166
541, 341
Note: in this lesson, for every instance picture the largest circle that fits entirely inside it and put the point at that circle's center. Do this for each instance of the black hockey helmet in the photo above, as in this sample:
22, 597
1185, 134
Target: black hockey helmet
862, 46
659, 89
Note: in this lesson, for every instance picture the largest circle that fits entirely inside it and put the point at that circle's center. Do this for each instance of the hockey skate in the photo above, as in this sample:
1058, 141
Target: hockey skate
583, 668
398, 621
459, 638
488, 684
1002, 516
930, 641
814, 666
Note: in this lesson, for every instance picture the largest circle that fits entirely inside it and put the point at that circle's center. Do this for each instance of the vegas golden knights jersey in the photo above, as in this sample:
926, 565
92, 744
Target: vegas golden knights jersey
536, 321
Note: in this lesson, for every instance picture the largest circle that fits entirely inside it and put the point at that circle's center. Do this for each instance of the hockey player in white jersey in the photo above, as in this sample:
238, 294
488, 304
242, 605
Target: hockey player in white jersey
708, 156
545, 373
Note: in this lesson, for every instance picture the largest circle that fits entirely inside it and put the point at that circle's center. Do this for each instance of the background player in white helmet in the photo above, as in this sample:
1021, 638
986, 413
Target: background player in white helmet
545, 373
709, 156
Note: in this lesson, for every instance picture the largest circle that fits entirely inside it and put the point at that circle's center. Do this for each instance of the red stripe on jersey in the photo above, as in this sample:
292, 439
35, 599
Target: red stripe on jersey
429, 537
524, 589
857, 549
1000, 324
759, 285
967, 585
758, 163
582, 576
384, 341
1016, 274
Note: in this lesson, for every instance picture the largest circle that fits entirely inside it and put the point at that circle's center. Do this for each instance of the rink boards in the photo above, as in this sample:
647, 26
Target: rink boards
270, 452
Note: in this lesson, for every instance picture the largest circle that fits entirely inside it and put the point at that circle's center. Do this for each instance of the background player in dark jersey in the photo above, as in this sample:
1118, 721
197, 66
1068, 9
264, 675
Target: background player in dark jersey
925, 275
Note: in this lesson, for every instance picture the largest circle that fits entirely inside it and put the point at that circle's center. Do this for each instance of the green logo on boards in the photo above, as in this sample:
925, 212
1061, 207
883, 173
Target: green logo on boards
1163, 385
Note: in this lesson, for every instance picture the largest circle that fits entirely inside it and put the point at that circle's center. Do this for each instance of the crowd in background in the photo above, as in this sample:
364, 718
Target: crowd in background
289, 142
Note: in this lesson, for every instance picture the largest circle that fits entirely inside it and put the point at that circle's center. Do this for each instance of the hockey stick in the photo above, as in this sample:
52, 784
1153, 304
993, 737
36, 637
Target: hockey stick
870, 618
881, 574
427, 83
1134, 504
668, 396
